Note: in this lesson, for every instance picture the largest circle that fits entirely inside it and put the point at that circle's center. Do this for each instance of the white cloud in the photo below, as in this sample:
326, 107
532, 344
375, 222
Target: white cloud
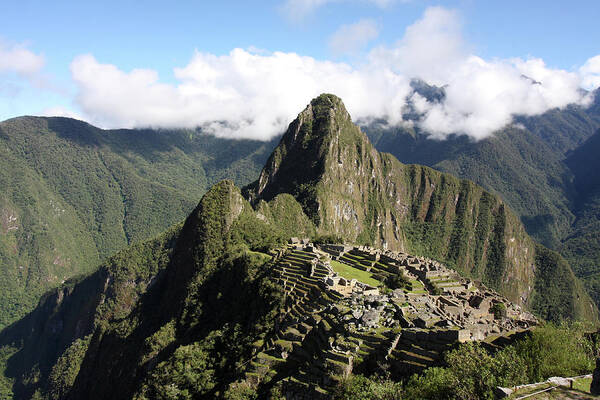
482, 96
18, 68
350, 39
255, 95
591, 73
237, 95
430, 47
18, 59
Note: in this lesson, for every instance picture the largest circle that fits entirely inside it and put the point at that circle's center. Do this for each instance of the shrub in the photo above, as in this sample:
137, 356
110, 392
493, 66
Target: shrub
358, 387
556, 350
472, 373
397, 281
499, 310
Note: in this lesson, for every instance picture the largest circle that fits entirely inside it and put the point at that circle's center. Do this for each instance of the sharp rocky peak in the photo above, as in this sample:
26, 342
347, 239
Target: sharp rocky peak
300, 158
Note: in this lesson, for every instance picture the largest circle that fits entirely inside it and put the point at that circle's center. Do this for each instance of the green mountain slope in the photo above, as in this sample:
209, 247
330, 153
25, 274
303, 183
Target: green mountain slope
515, 164
73, 194
582, 246
184, 315
533, 165
347, 188
196, 292
523, 163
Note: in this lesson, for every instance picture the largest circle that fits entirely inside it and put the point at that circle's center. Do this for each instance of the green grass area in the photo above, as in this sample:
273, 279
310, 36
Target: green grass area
354, 273
582, 384
417, 287
263, 256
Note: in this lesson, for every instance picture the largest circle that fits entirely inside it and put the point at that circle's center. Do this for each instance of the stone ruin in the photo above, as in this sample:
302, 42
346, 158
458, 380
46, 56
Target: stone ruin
330, 325
471, 311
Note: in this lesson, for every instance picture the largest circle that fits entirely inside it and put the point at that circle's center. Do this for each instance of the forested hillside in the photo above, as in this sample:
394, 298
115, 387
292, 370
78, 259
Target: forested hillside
73, 194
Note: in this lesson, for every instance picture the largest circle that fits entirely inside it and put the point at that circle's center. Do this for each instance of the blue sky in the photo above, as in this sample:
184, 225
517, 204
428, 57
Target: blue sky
154, 36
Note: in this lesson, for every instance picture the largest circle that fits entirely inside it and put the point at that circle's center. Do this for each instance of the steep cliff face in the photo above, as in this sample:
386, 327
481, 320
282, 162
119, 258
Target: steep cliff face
348, 188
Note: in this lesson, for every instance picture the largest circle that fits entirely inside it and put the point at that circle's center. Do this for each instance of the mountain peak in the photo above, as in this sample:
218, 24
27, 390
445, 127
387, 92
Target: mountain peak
327, 102
312, 147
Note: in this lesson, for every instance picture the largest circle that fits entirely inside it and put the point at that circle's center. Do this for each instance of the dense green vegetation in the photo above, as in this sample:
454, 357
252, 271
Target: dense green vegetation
173, 317
73, 194
473, 373
180, 315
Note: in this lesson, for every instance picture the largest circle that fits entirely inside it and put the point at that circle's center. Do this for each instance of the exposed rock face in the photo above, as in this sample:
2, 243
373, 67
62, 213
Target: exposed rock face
347, 188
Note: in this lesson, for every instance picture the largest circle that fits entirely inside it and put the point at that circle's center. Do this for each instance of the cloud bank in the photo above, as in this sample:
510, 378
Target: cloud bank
255, 94
591, 73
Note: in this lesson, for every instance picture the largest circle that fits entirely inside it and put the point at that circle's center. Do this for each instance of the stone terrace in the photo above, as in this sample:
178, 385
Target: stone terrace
332, 324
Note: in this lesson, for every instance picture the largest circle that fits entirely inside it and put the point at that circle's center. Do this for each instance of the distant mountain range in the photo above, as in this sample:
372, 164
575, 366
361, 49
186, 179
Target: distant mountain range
185, 311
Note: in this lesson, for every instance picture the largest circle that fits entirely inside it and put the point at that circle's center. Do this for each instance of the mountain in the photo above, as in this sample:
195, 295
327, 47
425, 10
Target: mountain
523, 163
188, 313
347, 188
582, 246
196, 289
541, 166
73, 194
